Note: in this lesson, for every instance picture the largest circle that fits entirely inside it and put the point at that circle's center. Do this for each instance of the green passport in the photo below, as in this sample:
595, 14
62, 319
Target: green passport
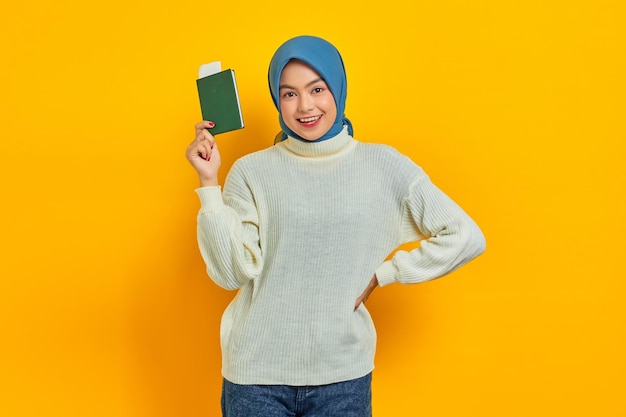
219, 101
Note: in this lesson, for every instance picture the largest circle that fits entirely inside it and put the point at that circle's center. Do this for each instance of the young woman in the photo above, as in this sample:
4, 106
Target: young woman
302, 229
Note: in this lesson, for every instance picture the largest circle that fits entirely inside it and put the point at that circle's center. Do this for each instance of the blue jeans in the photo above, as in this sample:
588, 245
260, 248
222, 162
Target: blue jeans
343, 399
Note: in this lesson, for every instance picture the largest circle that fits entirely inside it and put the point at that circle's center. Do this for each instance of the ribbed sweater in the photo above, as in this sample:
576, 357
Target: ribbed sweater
300, 229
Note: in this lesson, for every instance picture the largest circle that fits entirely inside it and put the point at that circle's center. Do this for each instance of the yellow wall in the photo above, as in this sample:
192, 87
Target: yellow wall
515, 109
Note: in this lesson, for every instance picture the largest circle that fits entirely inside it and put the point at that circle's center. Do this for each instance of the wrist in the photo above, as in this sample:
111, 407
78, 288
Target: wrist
208, 182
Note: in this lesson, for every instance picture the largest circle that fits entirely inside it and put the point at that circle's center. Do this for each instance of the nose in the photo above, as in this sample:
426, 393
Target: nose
305, 103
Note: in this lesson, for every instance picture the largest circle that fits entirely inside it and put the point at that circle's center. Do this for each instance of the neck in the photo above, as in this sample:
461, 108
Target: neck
328, 147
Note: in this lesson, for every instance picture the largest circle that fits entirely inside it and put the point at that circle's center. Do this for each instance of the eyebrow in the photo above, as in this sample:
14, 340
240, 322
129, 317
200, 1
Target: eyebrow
280, 87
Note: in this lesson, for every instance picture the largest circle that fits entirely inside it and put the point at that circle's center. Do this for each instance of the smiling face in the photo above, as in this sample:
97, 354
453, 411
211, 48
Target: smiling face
306, 104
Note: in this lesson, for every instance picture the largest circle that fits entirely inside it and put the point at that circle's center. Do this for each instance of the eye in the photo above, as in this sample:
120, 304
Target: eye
318, 90
289, 94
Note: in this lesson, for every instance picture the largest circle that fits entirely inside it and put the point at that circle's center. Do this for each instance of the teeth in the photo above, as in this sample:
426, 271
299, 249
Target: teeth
309, 119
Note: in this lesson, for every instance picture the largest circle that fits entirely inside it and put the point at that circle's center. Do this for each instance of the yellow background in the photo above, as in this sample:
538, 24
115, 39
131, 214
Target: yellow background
515, 108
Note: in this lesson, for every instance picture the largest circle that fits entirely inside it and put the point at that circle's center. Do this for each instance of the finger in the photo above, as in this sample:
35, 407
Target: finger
201, 151
201, 126
205, 124
208, 136
202, 147
204, 138
213, 151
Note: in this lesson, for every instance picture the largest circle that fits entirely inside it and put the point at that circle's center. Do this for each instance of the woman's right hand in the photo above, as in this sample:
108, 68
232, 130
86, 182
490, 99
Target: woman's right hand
203, 154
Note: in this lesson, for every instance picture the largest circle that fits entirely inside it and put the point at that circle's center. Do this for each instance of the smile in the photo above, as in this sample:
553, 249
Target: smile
310, 120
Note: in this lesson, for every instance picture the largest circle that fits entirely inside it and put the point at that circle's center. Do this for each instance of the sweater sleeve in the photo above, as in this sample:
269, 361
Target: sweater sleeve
228, 237
450, 237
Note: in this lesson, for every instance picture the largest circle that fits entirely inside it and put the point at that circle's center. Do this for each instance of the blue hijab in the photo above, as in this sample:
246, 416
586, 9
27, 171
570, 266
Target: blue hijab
324, 58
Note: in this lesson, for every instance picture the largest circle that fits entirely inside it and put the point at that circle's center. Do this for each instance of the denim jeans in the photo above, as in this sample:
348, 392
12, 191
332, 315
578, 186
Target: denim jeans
343, 399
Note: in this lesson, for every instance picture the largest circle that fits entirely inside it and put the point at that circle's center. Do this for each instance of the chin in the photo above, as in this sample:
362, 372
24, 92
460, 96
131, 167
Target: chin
311, 136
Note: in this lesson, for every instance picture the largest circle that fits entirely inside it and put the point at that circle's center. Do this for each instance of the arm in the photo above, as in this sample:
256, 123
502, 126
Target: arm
452, 238
228, 238
228, 235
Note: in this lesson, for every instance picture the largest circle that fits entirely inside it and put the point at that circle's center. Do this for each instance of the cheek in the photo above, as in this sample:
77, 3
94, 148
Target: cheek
331, 107
287, 114
286, 107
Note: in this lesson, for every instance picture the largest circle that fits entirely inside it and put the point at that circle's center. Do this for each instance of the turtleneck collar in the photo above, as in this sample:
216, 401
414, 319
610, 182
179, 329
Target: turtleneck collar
335, 145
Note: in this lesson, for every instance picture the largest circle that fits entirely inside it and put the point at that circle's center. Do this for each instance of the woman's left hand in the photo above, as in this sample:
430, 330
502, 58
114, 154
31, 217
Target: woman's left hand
366, 294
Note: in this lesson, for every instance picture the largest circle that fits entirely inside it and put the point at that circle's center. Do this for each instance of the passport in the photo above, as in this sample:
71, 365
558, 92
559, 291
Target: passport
219, 98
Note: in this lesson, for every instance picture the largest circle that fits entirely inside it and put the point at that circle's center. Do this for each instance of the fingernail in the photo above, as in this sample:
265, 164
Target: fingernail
211, 124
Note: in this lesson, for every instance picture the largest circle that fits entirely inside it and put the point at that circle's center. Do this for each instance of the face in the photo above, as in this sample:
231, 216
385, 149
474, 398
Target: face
306, 103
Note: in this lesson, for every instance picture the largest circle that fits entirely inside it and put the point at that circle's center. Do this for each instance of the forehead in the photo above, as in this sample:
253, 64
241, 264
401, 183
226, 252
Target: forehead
297, 70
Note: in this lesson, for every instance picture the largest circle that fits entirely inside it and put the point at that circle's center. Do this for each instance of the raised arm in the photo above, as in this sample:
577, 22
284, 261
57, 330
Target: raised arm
228, 235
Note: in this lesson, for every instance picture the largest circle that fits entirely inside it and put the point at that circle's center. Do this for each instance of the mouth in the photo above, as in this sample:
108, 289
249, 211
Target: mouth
310, 121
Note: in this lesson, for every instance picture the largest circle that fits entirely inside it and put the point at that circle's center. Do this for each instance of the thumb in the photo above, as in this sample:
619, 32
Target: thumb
362, 298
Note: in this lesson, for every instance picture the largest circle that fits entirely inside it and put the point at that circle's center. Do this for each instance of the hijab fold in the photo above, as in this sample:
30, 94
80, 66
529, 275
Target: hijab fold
324, 58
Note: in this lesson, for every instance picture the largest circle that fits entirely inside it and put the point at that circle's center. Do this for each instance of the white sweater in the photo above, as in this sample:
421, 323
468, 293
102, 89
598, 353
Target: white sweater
300, 229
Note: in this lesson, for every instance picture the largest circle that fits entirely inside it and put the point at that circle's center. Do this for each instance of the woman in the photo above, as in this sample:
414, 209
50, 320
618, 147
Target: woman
303, 229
